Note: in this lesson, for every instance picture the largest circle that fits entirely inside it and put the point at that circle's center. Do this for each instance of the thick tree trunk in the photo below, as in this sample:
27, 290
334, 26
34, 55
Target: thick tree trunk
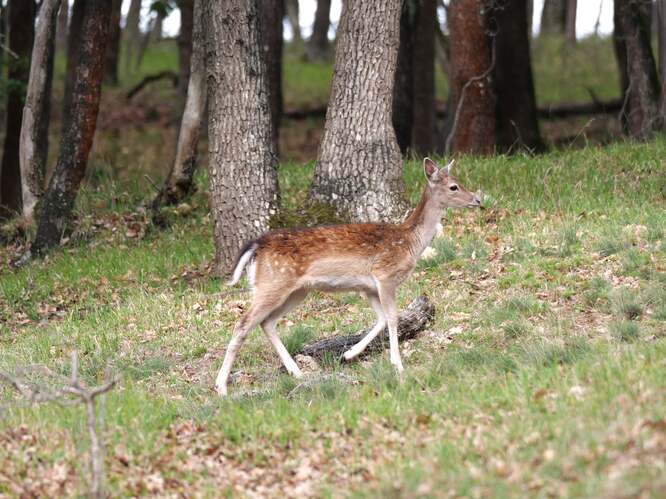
37, 111
638, 73
291, 7
133, 33
570, 24
185, 44
113, 45
553, 16
272, 13
471, 129
63, 23
78, 127
661, 30
21, 36
318, 46
359, 168
74, 38
517, 125
242, 163
179, 182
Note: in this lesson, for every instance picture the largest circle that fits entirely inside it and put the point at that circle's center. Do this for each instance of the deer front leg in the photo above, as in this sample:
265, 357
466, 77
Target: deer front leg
387, 299
379, 326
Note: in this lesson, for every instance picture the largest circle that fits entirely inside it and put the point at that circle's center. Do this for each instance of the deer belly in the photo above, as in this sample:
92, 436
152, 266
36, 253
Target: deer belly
332, 283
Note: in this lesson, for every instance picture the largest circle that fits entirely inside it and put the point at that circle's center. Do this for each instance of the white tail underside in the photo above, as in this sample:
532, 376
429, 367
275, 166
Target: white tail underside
242, 262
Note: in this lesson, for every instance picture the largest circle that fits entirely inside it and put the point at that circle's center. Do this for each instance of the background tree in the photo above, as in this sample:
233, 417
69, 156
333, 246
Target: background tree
34, 143
553, 16
318, 46
471, 110
291, 10
242, 163
63, 23
113, 45
272, 12
570, 21
185, 44
638, 73
179, 182
73, 45
133, 33
661, 37
21, 14
78, 126
359, 168
517, 124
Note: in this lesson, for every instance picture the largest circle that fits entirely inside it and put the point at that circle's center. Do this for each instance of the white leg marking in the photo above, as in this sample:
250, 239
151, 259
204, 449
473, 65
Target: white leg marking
377, 328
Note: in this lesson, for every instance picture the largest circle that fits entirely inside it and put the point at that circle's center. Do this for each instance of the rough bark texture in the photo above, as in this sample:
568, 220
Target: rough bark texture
179, 182
661, 40
37, 111
78, 127
472, 100
132, 32
21, 35
318, 46
113, 45
291, 8
415, 318
73, 45
570, 21
185, 44
423, 134
638, 73
553, 16
242, 163
517, 125
359, 168
272, 13
63, 23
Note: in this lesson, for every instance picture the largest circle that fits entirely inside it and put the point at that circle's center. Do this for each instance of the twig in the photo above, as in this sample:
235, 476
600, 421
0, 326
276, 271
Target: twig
150, 79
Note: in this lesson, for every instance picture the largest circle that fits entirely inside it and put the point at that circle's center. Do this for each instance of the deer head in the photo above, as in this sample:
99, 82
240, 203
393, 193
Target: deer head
445, 190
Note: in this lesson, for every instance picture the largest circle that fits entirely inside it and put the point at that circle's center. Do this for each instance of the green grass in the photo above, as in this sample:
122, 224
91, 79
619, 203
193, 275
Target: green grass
541, 375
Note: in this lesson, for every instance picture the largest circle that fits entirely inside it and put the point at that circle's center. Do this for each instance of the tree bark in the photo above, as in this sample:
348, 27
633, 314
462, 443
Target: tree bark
291, 7
318, 46
403, 87
661, 30
570, 24
638, 73
185, 44
113, 45
359, 168
471, 127
63, 23
517, 124
272, 13
179, 182
242, 163
33, 149
553, 17
74, 39
78, 127
133, 33
21, 36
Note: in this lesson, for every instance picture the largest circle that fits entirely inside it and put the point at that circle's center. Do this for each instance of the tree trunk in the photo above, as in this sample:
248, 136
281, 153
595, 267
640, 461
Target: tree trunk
271, 15
471, 129
21, 36
33, 150
517, 124
185, 44
63, 22
661, 30
113, 45
291, 6
133, 33
359, 168
158, 27
318, 46
73, 45
78, 127
553, 17
638, 73
403, 87
423, 134
570, 25
179, 182
530, 17
242, 163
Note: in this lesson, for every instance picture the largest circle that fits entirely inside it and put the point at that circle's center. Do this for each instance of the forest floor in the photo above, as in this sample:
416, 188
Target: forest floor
543, 373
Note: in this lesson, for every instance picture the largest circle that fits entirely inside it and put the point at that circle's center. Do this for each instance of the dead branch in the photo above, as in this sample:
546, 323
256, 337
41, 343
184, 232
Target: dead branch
411, 321
568, 110
162, 75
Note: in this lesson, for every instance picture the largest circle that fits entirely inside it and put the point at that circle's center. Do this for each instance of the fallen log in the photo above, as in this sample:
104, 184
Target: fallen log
414, 319
168, 74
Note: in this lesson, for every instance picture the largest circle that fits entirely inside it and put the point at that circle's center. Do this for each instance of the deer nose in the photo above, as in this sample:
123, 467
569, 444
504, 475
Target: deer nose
477, 200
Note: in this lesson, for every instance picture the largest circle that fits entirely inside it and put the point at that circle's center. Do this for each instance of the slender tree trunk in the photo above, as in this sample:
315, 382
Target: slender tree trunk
530, 17
113, 45
570, 25
553, 16
179, 182
517, 124
37, 111
185, 44
21, 36
661, 30
73, 46
242, 163
272, 13
78, 127
291, 7
424, 78
471, 128
638, 73
318, 46
63, 23
403, 88
133, 33
158, 27
359, 168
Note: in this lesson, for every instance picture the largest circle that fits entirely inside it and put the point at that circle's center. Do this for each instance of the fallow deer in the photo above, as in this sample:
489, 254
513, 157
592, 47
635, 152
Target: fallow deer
369, 258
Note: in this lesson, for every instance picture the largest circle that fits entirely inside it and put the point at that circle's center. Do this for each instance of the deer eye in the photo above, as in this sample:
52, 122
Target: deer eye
454, 187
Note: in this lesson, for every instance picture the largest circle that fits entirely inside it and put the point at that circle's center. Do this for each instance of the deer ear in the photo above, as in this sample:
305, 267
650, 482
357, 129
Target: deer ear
447, 168
430, 169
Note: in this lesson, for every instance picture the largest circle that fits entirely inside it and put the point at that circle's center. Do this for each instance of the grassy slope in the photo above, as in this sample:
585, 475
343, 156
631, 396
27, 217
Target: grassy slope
544, 371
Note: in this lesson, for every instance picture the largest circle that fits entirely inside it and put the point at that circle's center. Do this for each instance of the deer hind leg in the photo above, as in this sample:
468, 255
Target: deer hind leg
379, 326
387, 299
268, 325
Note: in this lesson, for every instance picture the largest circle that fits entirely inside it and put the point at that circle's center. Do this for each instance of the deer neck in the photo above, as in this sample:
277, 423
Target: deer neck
423, 222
